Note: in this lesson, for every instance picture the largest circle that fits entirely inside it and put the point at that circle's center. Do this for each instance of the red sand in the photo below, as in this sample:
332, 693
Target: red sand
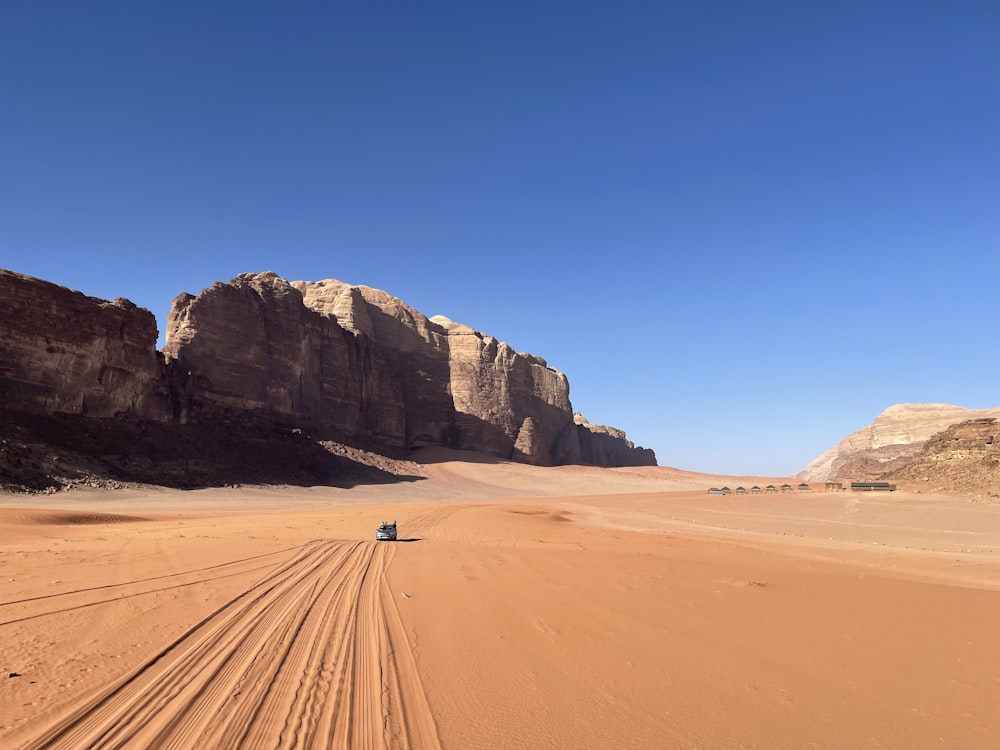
525, 608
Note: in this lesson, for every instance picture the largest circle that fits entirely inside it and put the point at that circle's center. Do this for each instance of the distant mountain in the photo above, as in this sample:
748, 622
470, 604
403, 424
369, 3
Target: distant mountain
889, 443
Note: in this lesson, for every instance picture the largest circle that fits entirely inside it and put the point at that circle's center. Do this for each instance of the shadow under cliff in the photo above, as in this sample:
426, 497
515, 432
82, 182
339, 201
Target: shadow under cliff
46, 453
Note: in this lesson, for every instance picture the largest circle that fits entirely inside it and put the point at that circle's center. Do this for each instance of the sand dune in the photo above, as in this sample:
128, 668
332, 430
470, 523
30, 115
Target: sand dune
525, 608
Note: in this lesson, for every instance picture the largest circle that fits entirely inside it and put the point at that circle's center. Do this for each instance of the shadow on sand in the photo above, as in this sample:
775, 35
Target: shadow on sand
44, 453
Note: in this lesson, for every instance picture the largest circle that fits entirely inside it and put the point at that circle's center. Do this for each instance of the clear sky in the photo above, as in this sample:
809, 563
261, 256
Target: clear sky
742, 229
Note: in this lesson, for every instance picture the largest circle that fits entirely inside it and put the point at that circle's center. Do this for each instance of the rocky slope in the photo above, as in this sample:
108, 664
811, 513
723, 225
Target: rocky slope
964, 458
337, 364
889, 443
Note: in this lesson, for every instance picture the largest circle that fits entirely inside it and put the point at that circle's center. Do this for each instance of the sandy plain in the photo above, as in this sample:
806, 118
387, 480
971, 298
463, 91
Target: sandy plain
522, 608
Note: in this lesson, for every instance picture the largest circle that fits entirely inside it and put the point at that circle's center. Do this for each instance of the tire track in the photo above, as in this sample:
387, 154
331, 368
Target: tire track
31, 608
313, 655
426, 521
411, 723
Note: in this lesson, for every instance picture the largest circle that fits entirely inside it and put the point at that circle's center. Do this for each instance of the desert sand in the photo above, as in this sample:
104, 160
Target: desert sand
522, 608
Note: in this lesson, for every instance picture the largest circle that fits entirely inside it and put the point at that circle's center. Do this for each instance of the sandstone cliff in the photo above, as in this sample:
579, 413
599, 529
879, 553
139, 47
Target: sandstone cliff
405, 382
262, 362
252, 346
895, 437
965, 457
61, 351
508, 403
356, 362
607, 446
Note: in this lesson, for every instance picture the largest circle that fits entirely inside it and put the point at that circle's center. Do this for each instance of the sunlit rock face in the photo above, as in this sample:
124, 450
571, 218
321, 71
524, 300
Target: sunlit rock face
891, 441
62, 351
510, 404
964, 457
404, 375
355, 361
340, 362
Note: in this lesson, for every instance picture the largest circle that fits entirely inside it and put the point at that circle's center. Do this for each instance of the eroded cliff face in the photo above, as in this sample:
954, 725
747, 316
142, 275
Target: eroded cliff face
62, 351
267, 357
405, 380
601, 445
965, 457
357, 362
511, 404
889, 443
252, 345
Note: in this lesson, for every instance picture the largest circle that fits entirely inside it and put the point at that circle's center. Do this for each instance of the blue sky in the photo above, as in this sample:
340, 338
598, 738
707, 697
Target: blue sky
741, 229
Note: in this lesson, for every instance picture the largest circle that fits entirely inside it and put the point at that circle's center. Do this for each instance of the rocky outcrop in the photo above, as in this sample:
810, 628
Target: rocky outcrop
252, 346
607, 446
965, 458
357, 363
508, 403
267, 357
889, 443
62, 351
405, 381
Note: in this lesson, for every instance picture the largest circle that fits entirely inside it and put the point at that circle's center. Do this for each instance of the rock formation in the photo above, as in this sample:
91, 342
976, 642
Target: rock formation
262, 356
406, 379
61, 351
358, 363
895, 437
607, 446
965, 457
252, 346
509, 404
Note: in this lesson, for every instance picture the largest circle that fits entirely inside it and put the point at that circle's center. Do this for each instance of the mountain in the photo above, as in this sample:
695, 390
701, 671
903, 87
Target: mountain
965, 457
889, 443
324, 361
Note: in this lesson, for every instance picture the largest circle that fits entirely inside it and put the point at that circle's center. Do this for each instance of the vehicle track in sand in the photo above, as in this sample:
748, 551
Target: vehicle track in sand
312, 655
